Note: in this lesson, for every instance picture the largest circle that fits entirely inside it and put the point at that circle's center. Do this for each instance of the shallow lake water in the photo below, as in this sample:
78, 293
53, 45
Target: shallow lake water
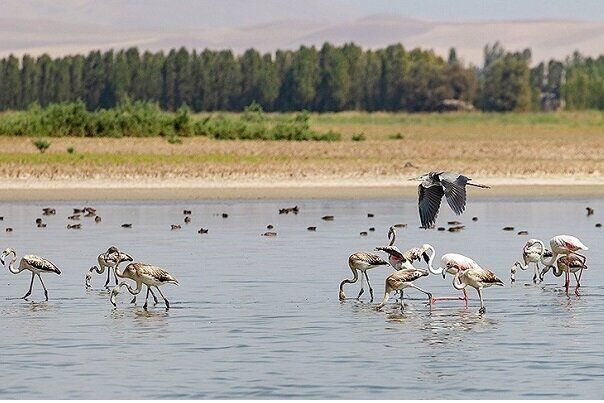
259, 317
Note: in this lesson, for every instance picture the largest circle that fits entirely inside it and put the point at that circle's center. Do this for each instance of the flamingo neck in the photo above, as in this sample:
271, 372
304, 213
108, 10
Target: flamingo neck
131, 290
350, 281
431, 268
457, 283
11, 266
393, 238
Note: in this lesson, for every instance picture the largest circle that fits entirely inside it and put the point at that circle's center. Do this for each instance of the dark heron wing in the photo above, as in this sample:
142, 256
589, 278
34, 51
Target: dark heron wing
455, 190
430, 194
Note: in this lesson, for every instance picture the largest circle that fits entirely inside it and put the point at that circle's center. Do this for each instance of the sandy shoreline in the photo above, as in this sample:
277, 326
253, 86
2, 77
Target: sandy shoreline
276, 188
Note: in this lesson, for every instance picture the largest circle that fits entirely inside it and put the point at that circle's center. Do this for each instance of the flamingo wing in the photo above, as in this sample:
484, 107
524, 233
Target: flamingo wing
41, 263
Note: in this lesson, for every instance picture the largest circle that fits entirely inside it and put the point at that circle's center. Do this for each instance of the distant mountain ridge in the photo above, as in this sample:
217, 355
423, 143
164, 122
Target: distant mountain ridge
60, 36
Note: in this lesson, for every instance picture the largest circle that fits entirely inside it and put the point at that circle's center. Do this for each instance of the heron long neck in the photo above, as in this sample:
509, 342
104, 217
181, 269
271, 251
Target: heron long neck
11, 266
457, 283
430, 267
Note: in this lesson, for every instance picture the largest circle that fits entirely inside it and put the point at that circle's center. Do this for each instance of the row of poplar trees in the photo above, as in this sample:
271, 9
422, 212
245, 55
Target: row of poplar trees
327, 79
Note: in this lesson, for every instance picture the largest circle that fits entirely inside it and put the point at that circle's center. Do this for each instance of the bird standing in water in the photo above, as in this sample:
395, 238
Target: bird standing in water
532, 253
361, 261
401, 279
36, 264
108, 260
477, 278
434, 186
142, 273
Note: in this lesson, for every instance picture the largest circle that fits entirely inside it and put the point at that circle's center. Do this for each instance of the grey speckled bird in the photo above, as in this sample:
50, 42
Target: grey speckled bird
434, 186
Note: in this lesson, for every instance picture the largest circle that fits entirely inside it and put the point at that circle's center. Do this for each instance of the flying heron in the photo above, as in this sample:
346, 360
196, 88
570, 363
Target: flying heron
436, 184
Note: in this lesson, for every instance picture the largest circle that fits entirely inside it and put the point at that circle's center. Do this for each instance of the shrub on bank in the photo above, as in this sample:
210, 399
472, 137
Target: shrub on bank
146, 119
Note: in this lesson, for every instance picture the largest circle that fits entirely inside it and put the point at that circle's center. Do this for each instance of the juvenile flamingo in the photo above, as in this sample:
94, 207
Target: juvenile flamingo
141, 273
571, 263
532, 253
361, 261
477, 278
36, 264
401, 279
108, 260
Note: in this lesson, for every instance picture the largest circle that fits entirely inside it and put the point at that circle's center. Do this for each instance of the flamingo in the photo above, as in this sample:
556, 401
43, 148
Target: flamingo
561, 245
36, 264
142, 273
477, 278
532, 252
361, 261
453, 263
571, 263
401, 279
398, 259
108, 260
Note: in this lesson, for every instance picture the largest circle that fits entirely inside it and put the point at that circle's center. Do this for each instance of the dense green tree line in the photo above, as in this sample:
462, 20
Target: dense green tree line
327, 79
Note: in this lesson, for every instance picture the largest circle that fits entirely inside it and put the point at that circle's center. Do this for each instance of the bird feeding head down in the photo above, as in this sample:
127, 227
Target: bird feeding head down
6, 252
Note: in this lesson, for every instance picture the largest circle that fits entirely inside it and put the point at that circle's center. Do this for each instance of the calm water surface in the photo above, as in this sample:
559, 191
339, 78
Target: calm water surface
258, 317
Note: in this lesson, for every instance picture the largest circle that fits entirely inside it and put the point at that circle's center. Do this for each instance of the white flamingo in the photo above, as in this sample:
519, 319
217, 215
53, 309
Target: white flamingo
453, 263
141, 273
532, 253
477, 278
361, 261
36, 264
563, 245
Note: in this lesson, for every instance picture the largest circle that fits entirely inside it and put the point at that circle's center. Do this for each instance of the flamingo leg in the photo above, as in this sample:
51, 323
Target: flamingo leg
43, 286
108, 277
567, 282
115, 274
464, 298
31, 285
370, 289
578, 282
165, 299
424, 291
153, 295
362, 290
146, 298
482, 308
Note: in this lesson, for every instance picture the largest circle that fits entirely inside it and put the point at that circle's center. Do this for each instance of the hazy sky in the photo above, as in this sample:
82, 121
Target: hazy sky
465, 10
239, 13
